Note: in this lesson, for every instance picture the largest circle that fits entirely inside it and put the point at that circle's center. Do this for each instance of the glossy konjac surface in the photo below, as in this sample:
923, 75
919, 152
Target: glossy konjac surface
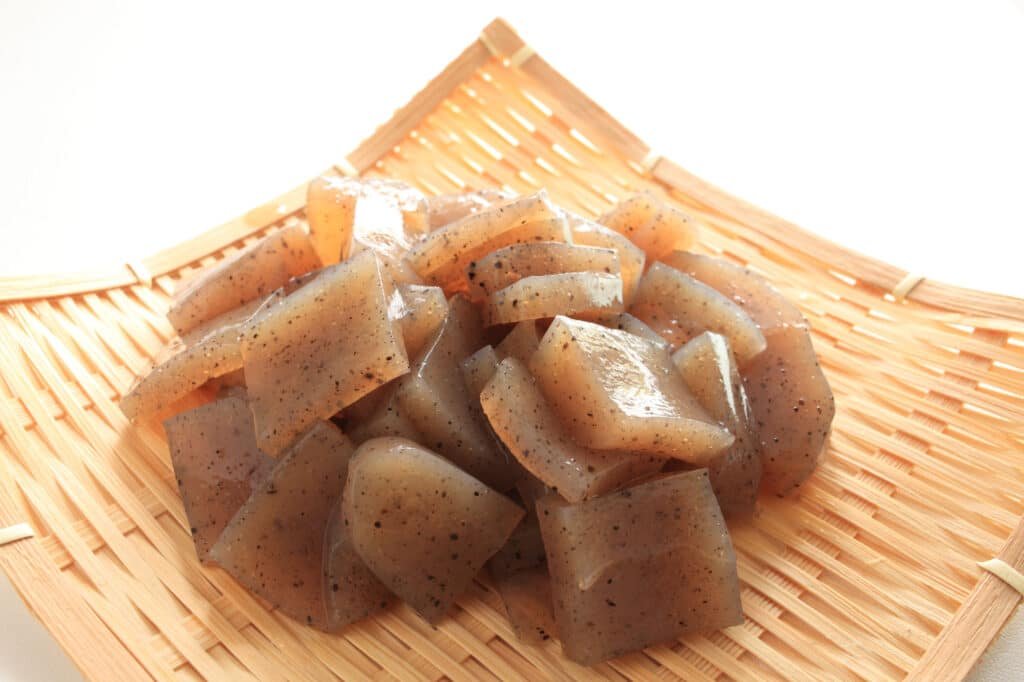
421, 524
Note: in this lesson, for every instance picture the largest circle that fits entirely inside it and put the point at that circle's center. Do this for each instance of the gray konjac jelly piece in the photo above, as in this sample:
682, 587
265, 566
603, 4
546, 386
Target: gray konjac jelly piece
324, 347
531, 489
680, 307
274, 544
527, 598
616, 391
510, 264
425, 310
579, 294
447, 208
347, 215
387, 419
631, 257
655, 226
478, 369
351, 590
530, 430
420, 313
422, 525
435, 399
709, 369
628, 323
639, 567
520, 343
752, 292
793, 408
520, 573
389, 216
441, 257
216, 463
211, 350
249, 274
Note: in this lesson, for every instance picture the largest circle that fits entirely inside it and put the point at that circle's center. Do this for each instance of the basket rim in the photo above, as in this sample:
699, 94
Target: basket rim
499, 39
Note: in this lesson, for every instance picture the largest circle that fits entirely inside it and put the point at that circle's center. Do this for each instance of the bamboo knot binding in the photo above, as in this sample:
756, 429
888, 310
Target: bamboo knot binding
1005, 572
516, 59
18, 531
906, 285
650, 161
491, 47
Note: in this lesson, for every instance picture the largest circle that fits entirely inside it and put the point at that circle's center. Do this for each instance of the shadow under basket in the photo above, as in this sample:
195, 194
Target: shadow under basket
870, 571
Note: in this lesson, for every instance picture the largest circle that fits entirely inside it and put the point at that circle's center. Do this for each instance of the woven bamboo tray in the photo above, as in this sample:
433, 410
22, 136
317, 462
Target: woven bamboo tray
870, 573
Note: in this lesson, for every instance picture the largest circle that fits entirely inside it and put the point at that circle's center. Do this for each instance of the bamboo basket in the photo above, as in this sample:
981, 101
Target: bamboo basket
869, 573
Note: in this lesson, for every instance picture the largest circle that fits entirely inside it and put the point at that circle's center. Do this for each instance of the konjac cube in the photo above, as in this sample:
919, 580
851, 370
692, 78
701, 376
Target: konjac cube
442, 256
434, 398
680, 307
422, 525
793, 407
217, 465
581, 294
274, 543
707, 365
510, 264
530, 430
655, 226
617, 391
327, 345
639, 567
247, 275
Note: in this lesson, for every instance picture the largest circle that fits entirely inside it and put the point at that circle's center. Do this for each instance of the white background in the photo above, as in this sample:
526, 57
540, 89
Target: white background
896, 128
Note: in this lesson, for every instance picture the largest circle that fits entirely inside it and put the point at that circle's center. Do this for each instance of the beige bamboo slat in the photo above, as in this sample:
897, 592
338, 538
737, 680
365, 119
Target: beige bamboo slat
976, 624
869, 573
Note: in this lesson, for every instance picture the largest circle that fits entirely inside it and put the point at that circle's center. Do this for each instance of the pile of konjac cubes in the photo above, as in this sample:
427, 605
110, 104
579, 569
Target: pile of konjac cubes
412, 390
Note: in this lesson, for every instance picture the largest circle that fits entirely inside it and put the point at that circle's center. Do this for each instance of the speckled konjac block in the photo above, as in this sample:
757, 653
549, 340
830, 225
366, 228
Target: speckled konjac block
510, 264
442, 256
616, 391
631, 257
252, 273
747, 289
634, 325
655, 226
348, 215
424, 310
520, 343
330, 211
580, 294
478, 369
421, 524
387, 418
444, 209
793, 408
530, 430
274, 543
679, 307
434, 398
327, 345
420, 311
211, 350
520, 572
351, 590
709, 369
216, 463
639, 567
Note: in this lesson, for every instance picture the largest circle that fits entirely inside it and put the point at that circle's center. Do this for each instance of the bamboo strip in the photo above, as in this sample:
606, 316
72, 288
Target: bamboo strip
977, 624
